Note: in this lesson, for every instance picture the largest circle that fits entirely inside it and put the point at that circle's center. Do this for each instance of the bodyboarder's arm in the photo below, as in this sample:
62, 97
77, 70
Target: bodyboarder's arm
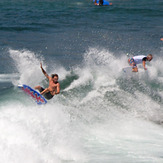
144, 65
44, 91
44, 72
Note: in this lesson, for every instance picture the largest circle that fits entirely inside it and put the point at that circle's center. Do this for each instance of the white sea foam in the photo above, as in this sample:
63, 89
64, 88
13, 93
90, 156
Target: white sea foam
102, 116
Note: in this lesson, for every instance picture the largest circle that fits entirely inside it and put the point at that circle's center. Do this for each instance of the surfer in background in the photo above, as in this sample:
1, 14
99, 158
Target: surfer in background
101, 3
141, 59
54, 86
161, 39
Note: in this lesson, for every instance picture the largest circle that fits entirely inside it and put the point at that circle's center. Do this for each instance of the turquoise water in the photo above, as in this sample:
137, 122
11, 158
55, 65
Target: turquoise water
101, 115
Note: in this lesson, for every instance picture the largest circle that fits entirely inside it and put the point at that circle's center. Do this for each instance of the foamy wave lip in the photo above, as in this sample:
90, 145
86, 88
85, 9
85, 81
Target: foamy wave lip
100, 67
28, 66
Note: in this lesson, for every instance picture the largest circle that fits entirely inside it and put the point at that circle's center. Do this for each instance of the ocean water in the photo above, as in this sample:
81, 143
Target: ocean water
101, 115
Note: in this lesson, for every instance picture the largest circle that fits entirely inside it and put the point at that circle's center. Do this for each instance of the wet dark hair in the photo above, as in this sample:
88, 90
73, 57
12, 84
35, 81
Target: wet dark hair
101, 2
54, 75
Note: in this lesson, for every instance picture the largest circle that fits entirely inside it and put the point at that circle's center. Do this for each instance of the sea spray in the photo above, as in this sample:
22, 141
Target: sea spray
100, 113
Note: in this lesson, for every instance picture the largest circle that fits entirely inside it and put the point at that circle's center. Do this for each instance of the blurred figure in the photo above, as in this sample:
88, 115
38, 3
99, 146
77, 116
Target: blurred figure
141, 59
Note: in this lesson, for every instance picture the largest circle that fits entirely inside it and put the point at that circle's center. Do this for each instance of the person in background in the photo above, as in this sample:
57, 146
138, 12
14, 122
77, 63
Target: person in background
141, 59
101, 3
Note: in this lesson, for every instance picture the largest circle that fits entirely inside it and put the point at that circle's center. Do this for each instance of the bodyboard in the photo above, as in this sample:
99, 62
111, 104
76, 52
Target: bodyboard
36, 96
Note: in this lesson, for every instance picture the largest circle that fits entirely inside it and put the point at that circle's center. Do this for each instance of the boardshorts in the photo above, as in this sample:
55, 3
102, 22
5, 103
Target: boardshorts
48, 95
132, 63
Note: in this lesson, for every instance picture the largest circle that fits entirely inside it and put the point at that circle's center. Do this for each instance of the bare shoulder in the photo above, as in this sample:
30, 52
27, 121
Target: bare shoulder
50, 78
58, 84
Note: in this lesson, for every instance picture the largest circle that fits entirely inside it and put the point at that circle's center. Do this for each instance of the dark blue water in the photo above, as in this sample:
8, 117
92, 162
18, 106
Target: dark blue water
101, 114
65, 30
